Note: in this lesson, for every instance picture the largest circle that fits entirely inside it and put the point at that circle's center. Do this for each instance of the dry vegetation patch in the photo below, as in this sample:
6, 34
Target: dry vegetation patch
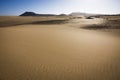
109, 23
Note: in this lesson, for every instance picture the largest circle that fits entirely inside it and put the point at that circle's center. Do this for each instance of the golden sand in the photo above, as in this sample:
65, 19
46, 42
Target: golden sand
58, 52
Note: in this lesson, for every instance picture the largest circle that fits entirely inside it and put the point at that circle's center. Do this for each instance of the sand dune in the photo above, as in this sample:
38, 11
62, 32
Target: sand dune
58, 52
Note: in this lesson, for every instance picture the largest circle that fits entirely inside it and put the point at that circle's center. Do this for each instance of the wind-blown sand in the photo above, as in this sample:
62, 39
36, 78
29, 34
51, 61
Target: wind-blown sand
58, 52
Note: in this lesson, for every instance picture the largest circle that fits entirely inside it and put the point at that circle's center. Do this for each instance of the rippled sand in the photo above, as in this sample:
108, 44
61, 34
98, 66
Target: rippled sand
58, 52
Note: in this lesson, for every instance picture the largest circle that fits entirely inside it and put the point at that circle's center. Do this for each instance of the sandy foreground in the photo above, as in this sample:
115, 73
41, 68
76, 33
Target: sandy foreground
58, 52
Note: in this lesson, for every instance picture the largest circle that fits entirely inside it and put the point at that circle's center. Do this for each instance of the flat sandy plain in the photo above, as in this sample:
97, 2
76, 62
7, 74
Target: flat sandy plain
58, 48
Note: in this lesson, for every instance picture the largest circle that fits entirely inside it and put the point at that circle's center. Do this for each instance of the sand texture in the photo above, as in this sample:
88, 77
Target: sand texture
36, 51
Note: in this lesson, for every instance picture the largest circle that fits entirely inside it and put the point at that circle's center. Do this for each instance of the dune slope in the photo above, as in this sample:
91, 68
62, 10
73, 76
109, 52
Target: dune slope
58, 52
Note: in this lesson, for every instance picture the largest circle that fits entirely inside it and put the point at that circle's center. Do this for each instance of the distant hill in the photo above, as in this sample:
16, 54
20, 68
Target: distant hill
91, 14
82, 14
35, 14
77, 14
62, 15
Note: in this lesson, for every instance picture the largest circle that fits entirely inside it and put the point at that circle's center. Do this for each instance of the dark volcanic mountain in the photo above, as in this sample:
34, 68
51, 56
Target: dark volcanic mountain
28, 14
34, 14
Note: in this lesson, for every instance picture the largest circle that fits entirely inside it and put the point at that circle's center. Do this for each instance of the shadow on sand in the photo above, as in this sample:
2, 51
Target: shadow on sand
50, 22
46, 22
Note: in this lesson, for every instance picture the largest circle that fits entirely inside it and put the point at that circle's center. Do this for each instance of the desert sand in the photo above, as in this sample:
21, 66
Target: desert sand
58, 51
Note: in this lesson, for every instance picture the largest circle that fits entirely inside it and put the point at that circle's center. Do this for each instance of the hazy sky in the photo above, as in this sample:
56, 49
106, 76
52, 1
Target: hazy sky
16, 7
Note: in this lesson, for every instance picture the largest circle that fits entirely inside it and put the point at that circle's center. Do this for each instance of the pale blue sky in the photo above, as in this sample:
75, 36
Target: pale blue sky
16, 7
